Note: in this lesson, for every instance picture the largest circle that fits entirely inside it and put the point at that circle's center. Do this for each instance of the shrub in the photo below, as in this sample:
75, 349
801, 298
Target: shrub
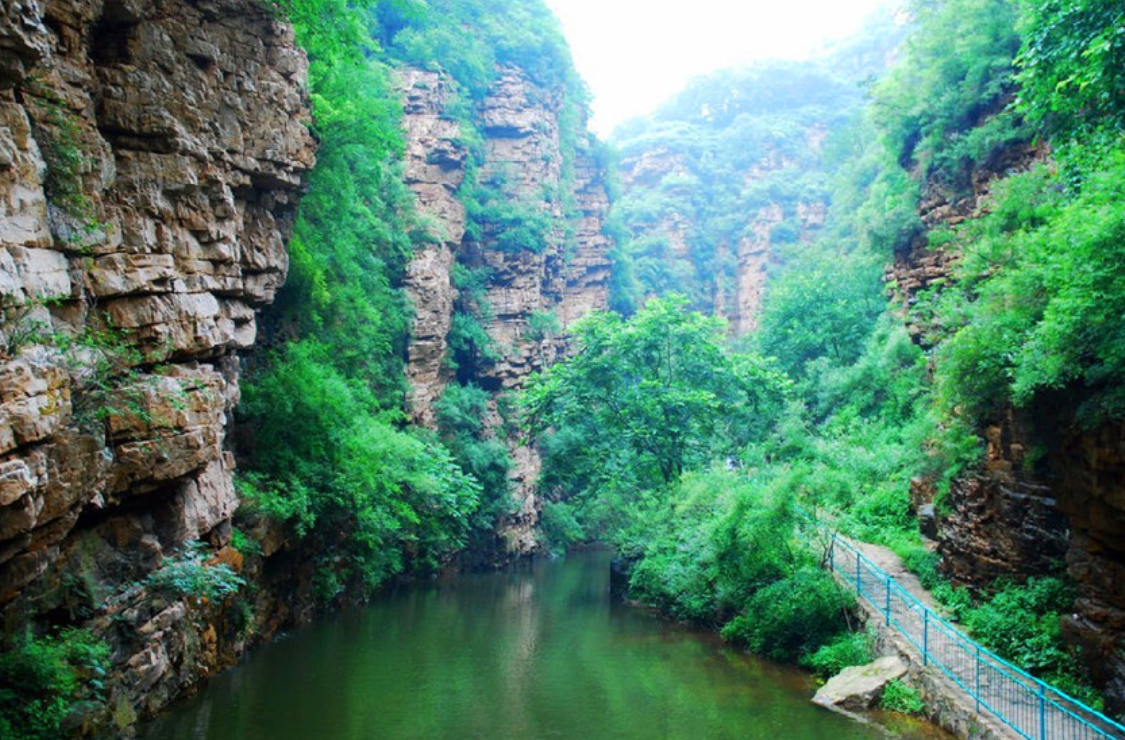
1022, 622
956, 600
901, 697
45, 679
792, 617
922, 563
559, 527
677, 580
187, 574
245, 543
844, 650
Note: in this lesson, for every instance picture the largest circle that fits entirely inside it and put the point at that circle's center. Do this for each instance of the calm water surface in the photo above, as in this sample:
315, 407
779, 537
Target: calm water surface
538, 652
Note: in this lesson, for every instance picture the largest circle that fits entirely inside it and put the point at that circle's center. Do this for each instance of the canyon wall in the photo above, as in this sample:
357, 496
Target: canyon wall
152, 155
532, 292
1049, 491
735, 283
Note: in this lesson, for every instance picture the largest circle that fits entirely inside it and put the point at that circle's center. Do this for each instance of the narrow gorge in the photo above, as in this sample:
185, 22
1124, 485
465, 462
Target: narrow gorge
311, 304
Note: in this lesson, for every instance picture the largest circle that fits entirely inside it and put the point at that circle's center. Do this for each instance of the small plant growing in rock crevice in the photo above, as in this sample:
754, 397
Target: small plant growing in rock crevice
188, 574
21, 325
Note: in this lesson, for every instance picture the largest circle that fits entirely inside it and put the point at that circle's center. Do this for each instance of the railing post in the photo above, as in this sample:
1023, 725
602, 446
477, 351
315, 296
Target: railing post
925, 636
858, 584
977, 691
832, 554
887, 606
1042, 713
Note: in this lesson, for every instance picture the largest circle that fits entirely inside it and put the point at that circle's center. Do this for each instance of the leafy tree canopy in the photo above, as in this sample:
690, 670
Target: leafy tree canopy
662, 384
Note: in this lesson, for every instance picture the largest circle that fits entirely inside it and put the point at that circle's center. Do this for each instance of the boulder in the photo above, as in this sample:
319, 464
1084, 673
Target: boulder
860, 687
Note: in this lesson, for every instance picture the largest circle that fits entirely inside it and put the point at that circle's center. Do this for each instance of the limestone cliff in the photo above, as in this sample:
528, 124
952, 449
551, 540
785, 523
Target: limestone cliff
556, 280
435, 167
735, 283
151, 157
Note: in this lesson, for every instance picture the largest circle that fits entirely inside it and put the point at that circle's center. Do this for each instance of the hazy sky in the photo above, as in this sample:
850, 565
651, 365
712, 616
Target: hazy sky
634, 54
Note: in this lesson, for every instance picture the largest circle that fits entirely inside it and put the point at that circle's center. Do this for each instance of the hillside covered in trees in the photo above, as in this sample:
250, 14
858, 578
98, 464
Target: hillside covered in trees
922, 277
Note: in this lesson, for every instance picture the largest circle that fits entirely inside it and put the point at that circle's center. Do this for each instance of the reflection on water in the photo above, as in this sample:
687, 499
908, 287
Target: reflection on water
537, 652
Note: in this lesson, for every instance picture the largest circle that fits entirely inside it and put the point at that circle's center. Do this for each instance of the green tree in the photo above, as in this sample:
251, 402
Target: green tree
661, 383
1072, 65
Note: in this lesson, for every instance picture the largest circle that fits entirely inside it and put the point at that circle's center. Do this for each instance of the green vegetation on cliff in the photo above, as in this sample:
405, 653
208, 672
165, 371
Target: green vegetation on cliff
44, 681
735, 164
689, 451
327, 448
329, 451
1027, 316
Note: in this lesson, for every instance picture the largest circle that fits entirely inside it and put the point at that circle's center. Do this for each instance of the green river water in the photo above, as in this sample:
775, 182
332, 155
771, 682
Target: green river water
537, 652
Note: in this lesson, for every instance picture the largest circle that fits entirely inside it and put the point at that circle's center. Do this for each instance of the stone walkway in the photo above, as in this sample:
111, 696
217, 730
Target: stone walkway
953, 706
980, 695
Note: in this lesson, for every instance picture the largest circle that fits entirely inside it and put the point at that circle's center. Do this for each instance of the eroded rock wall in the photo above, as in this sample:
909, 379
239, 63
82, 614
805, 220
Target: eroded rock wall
435, 163
1090, 486
1003, 518
566, 276
917, 267
151, 156
1049, 491
736, 293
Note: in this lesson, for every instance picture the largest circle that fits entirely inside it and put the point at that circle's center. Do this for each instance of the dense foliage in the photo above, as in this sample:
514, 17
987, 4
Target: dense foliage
692, 453
1029, 315
1072, 67
328, 449
659, 389
733, 163
630, 427
329, 452
46, 680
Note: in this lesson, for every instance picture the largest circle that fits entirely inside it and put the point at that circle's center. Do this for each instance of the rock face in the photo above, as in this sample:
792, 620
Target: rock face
435, 167
151, 156
1004, 519
737, 289
553, 282
1091, 493
916, 266
1049, 491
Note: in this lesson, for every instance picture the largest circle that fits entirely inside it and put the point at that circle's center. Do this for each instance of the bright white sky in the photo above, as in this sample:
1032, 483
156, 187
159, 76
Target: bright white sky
635, 54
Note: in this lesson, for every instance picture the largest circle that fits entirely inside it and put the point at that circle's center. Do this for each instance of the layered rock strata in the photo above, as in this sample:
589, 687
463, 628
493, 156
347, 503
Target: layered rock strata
1049, 491
917, 267
435, 168
555, 282
151, 156
736, 293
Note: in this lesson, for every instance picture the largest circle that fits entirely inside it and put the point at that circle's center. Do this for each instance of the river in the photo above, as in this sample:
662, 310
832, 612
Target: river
540, 651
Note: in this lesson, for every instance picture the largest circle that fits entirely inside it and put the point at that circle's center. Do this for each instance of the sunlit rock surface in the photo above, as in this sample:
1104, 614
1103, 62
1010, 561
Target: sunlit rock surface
152, 153
568, 278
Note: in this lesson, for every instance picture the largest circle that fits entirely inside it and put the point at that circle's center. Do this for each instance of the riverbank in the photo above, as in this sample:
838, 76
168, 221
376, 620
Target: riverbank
536, 650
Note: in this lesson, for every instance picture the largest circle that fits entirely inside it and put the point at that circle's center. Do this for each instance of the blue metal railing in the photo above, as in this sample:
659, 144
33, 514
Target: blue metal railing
1034, 709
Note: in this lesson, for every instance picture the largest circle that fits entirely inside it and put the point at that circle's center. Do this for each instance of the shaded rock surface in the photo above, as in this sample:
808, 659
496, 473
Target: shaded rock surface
152, 153
1049, 492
